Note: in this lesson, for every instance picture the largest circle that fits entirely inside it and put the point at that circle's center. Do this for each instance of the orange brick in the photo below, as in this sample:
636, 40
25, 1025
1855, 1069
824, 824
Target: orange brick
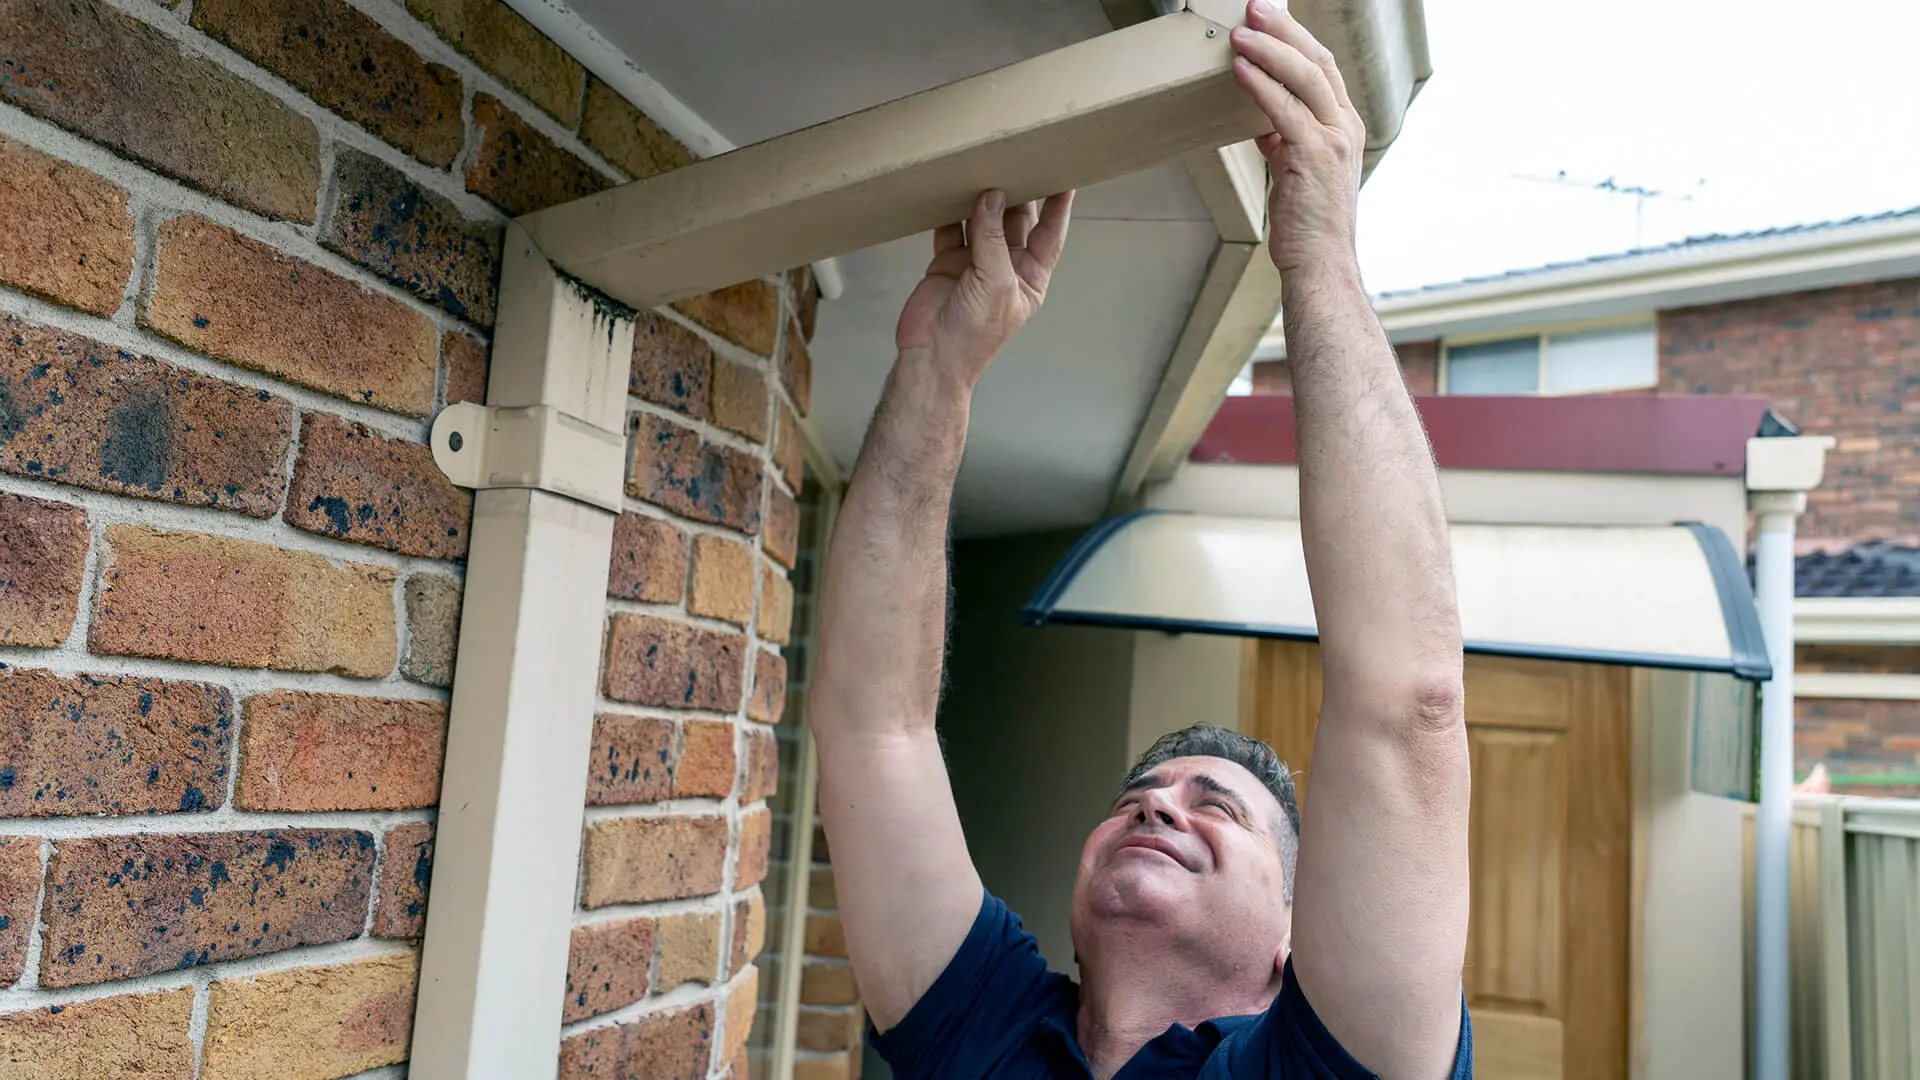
467, 362
311, 1023
649, 560
763, 765
790, 448
354, 484
607, 966
782, 539
310, 752
346, 62
820, 888
806, 298
722, 579
519, 169
632, 760
825, 937
740, 399
244, 302
43, 555
169, 743
674, 1045
828, 1028
640, 860
596, 1054
19, 903
676, 469
689, 949
841, 1066
216, 600
740, 1009
796, 370
749, 932
776, 606
747, 314
65, 234
655, 661
121, 906
756, 838
433, 628
127, 86
828, 982
133, 1035
672, 365
706, 765
414, 238
94, 417
405, 876
768, 702
497, 38
628, 137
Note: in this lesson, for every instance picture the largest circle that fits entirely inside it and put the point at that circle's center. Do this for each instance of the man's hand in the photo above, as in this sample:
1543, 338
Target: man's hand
986, 280
1316, 147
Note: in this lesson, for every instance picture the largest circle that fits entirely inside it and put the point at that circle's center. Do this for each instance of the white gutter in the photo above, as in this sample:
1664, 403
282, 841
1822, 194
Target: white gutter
1858, 685
1857, 620
1705, 273
612, 66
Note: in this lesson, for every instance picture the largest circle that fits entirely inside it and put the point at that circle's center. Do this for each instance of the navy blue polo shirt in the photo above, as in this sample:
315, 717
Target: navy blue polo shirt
997, 1012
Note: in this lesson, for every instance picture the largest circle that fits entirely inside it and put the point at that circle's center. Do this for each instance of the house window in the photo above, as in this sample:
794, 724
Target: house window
1562, 362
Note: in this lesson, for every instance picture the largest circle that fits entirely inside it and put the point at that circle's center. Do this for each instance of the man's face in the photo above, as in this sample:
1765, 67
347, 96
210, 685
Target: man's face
1191, 850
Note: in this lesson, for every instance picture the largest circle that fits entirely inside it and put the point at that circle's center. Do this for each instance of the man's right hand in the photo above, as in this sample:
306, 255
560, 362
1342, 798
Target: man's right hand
1317, 145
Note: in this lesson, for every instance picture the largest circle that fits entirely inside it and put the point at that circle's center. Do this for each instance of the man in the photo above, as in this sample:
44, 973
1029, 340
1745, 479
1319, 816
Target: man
1199, 954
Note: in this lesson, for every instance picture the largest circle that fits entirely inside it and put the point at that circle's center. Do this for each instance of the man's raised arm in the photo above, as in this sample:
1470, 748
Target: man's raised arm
907, 887
1380, 917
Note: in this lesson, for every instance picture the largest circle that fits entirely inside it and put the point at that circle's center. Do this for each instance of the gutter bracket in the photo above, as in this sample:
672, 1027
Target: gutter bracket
532, 446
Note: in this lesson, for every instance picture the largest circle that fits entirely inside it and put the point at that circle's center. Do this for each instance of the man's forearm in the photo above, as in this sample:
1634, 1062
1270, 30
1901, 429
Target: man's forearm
882, 636
1373, 526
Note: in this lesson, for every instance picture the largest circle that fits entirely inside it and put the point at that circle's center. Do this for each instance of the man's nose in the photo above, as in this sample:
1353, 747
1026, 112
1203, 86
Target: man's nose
1155, 808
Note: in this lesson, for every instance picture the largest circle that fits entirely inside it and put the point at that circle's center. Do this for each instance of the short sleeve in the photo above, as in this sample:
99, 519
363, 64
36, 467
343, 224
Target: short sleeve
987, 1002
1297, 1046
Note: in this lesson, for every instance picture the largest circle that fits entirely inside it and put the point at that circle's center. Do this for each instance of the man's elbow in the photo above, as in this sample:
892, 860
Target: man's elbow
1436, 702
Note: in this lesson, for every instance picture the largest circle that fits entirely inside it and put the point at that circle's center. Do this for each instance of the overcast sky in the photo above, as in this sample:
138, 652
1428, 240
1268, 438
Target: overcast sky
1789, 112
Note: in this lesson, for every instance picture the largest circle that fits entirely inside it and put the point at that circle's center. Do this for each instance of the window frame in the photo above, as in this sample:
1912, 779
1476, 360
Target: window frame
1546, 333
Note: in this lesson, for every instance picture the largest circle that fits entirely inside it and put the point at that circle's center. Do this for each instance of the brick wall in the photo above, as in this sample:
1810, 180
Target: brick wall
246, 252
1419, 363
1843, 362
1870, 747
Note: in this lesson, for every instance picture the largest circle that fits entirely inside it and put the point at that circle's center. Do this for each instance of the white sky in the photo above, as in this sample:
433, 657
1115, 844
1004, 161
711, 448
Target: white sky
1790, 113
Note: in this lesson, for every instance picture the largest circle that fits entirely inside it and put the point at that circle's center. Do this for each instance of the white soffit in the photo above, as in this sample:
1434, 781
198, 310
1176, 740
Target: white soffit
1670, 596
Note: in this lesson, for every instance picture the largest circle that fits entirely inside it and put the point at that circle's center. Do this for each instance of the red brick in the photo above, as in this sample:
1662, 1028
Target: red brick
776, 606
1419, 365
740, 399
412, 237
106, 744
607, 966
311, 1022
346, 62
747, 314
65, 234
673, 1045
632, 760
19, 903
828, 1028
120, 906
43, 555
782, 539
672, 365
677, 470
406, 872
628, 137
653, 661
640, 860
354, 484
519, 169
129, 1035
1273, 378
723, 577
216, 600
749, 920
649, 560
796, 370
242, 301
806, 298
763, 765
77, 412
596, 1054
467, 363
121, 83
433, 629
790, 448
308, 752
756, 839
494, 36
706, 764
768, 702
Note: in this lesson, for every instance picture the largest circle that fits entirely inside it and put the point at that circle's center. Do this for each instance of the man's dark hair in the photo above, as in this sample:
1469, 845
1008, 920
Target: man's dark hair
1207, 740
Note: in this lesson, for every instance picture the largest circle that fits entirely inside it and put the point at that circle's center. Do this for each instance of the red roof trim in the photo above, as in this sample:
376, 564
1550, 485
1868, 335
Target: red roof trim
1687, 433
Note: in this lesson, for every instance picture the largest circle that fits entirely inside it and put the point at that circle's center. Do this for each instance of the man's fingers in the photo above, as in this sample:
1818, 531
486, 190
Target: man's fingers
950, 263
1268, 143
1292, 120
1281, 24
1287, 65
949, 237
1049, 235
987, 236
1019, 222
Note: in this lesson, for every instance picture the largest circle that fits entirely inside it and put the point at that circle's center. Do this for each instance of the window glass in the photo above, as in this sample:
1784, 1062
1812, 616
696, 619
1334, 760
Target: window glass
1495, 367
1614, 358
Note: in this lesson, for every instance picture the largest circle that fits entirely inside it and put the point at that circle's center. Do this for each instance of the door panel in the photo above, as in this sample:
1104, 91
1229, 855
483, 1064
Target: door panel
1548, 933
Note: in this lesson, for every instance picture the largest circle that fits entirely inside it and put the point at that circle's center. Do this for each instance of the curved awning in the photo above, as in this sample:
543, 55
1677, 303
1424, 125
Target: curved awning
1668, 596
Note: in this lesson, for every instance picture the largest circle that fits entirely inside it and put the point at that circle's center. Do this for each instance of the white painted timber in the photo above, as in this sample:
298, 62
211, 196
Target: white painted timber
507, 846
1096, 110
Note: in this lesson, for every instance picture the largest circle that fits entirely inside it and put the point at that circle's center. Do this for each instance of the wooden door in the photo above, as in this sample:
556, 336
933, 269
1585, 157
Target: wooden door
1548, 937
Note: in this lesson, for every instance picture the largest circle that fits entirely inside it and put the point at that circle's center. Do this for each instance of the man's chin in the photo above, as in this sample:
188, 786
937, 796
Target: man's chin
1141, 890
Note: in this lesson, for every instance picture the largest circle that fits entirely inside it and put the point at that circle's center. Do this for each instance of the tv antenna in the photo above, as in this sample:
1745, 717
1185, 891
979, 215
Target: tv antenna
1640, 194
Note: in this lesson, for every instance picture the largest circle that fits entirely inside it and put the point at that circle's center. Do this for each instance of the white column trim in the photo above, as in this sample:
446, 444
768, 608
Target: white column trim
1858, 685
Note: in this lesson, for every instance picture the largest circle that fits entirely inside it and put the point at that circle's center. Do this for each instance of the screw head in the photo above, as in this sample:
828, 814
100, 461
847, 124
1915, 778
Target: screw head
1212, 30
454, 442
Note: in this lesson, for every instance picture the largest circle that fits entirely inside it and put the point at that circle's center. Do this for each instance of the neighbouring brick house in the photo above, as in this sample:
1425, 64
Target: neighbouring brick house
246, 252
1824, 322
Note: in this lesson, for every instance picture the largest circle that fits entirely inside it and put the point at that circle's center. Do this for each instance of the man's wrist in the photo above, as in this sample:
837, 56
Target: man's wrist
1320, 277
931, 379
